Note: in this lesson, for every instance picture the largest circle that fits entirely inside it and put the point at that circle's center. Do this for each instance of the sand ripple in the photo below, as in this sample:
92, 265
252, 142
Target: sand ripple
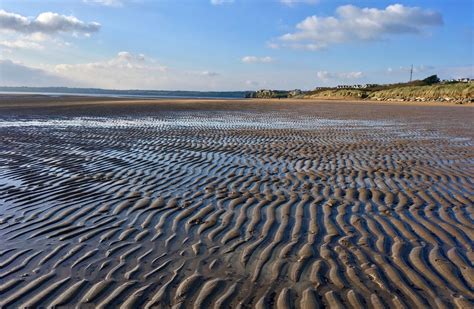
203, 209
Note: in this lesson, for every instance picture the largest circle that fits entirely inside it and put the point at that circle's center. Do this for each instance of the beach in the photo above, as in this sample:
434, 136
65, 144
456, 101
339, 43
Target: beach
200, 203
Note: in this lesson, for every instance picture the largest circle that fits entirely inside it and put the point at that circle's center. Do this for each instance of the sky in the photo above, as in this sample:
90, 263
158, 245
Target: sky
223, 45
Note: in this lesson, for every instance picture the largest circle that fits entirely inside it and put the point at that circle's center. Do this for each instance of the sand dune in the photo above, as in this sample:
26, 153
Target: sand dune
236, 204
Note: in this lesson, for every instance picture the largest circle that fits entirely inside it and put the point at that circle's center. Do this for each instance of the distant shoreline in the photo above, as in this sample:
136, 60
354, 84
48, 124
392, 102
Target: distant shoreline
106, 95
427, 90
32, 100
97, 92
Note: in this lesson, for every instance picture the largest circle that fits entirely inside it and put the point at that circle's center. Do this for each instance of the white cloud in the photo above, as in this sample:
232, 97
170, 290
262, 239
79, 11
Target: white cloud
21, 44
30, 41
47, 23
294, 2
254, 59
209, 73
220, 2
112, 3
352, 23
328, 76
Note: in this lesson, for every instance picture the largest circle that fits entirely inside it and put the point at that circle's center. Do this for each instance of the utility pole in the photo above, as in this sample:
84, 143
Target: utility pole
411, 73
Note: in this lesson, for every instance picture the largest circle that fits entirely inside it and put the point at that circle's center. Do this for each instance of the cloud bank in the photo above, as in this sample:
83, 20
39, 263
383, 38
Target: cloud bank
123, 71
16, 74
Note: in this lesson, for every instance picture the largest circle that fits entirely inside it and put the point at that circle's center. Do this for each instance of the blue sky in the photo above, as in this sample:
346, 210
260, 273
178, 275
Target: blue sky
232, 45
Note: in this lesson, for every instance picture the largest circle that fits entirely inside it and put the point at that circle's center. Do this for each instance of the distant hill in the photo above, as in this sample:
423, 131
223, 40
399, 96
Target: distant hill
127, 93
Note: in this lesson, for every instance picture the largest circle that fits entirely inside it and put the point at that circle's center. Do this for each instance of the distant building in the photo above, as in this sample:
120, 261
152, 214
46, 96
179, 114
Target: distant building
295, 92
370, 85
356, 86
458, 80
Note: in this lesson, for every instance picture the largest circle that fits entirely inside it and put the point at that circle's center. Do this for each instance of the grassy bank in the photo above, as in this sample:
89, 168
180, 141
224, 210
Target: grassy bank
451, 92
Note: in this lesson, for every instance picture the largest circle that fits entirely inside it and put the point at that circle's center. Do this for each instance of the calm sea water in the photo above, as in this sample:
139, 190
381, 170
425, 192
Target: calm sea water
118, 94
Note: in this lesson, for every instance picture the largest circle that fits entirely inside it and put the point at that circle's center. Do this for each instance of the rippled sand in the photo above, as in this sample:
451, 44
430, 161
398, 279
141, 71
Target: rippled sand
235, 204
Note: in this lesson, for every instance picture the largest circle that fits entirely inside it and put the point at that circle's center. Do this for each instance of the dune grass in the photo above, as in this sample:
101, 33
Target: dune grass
436, 92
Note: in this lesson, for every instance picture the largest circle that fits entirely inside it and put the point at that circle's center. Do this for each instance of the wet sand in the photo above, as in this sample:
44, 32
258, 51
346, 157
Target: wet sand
235, 204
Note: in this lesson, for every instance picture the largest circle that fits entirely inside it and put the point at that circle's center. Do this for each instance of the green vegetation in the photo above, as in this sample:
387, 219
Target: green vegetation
428, 89
430, 80
333, 93
462, 92
274, 94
